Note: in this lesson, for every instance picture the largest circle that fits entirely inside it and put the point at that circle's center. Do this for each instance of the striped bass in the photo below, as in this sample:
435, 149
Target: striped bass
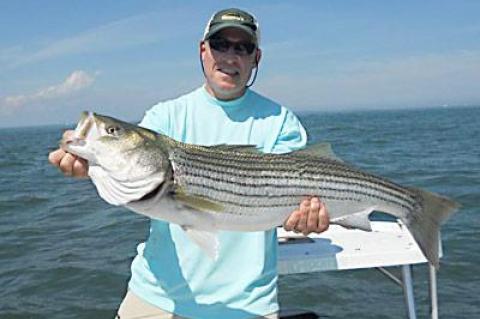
237, 188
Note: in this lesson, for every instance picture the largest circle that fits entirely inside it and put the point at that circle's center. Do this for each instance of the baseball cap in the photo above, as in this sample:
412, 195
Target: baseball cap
233, 18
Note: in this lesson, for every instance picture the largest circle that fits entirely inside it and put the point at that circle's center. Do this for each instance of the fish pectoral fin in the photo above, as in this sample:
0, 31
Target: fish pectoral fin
198, 203
357, 220
206, 240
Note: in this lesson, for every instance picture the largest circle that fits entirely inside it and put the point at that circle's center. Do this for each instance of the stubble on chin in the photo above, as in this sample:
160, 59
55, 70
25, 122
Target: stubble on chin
226, 92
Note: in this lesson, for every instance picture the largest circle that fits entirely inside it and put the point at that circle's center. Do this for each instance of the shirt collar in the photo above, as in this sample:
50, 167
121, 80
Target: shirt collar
226, 104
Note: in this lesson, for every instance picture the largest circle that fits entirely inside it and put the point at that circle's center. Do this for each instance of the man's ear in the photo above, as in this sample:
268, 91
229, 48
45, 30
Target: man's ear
201, 48
258, 56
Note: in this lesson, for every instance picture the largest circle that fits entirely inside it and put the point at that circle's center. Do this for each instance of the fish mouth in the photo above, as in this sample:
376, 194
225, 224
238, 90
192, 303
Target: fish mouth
84, 125
80, 134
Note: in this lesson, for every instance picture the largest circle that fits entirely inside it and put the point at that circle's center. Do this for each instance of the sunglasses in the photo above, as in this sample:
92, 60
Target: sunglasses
239, 48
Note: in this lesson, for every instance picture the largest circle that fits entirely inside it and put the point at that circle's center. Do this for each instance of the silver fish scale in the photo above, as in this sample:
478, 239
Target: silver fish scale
248, 180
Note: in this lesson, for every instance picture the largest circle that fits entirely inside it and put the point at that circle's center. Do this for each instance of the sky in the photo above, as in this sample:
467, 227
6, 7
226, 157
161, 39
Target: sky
58, 58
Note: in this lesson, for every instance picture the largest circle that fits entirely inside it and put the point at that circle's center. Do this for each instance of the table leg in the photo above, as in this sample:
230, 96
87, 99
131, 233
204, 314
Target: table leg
433, 292
408, 291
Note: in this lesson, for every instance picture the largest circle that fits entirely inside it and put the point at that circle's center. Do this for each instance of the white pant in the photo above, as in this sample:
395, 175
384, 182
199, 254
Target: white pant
132, 307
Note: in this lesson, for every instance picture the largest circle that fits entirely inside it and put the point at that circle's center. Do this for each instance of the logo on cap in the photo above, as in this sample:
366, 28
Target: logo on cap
231, 16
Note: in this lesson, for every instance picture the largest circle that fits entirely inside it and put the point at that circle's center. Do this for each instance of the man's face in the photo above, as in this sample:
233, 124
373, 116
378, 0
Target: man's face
227, 72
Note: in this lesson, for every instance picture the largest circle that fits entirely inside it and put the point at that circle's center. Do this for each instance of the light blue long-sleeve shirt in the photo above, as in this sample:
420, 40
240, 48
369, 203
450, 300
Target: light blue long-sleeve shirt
173, 273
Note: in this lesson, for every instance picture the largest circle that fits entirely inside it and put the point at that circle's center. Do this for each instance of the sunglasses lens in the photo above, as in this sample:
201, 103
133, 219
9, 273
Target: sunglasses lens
248, 47
219, 44
223, 45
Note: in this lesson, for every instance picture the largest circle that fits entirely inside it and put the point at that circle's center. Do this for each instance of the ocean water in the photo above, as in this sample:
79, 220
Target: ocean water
64, 253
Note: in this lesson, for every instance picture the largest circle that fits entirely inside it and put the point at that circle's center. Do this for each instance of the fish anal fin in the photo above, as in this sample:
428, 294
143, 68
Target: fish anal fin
206, 240
357, 220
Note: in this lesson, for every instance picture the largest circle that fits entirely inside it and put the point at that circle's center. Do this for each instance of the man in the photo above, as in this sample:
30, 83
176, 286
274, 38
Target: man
171, 277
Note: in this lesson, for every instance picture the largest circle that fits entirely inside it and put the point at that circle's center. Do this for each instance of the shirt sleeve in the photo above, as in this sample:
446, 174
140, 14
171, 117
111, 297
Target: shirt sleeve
292, 135
157, 119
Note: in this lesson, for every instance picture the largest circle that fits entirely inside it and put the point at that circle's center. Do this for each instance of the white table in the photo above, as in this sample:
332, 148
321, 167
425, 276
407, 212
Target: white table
389, 244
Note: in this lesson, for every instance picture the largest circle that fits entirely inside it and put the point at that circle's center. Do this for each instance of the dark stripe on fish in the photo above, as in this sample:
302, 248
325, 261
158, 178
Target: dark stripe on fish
403, 198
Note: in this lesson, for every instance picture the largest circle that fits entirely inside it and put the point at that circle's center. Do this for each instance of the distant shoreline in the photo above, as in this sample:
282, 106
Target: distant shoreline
395, 109
301, 113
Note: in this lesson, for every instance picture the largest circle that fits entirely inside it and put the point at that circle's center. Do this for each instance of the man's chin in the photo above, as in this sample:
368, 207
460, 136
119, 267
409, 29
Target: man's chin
228, 91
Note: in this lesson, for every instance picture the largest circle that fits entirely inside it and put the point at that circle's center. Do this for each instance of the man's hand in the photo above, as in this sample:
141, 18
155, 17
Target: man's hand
312, 216
69, 164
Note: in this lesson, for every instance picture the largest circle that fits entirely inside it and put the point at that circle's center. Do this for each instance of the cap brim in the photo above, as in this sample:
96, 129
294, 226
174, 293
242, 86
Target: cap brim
217, 28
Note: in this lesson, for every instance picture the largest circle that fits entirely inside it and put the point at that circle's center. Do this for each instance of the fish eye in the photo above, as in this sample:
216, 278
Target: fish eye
113, 130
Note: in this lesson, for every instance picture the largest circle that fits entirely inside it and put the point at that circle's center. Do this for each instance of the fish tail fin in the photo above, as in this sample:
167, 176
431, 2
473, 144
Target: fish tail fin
424, 223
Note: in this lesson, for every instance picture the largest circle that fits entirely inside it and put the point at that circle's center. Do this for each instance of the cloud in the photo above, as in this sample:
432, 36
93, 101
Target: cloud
75, 82
422, 80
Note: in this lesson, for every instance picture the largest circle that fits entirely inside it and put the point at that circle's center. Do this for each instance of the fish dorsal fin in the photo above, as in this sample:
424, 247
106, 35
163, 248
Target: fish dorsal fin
196, 202
236, 148
318, 150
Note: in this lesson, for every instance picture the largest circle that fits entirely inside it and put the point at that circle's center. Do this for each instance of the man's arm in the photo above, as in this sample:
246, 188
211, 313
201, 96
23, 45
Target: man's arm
69, 164
311, 215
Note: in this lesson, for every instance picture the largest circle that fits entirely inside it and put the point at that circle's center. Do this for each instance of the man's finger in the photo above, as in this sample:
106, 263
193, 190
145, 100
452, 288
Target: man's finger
66, 164
301, 226
313, 216
323, 218
80, 168
56, 156
292, 220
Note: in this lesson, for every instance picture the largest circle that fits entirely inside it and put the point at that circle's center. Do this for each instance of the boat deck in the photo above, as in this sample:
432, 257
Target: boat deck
388, 244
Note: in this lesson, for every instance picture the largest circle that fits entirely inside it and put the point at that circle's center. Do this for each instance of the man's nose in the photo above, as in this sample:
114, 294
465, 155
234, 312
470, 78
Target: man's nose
231, 52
